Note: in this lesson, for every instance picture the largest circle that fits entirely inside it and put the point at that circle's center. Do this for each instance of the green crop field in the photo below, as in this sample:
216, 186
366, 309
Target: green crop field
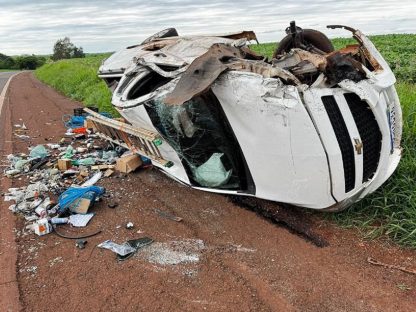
389, 212
398, 50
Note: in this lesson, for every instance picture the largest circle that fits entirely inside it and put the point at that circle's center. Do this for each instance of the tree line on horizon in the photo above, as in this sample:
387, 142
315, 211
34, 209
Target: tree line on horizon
21, 62
62, 49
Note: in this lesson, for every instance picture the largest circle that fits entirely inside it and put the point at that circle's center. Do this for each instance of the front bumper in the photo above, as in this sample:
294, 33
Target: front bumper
379, 94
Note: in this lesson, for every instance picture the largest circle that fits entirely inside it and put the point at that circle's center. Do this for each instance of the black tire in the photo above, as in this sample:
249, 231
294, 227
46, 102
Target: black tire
311, 36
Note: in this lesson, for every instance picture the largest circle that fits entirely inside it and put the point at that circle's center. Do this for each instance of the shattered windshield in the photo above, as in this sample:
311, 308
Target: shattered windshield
199, 133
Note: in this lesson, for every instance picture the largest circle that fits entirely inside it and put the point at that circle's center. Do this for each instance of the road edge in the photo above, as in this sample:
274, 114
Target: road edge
9, 287
4, 91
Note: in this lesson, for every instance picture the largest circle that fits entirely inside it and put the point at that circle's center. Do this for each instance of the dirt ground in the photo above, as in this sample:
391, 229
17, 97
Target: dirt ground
220, 257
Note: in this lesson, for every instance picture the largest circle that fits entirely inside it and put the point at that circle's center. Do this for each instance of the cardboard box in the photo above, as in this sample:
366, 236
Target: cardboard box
108, 173
64, 164
80, 205
102, 167
128, 163
89, 124
84, 173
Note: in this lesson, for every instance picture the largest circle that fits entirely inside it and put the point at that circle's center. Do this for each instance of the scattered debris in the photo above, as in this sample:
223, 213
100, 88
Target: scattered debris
80, 243
57, 220
80, 220
64, 164
112, 205
32, 269
168, 215
391, 266
94, 179
42, 227
55, 261
108, 173
22, 136
121, 250
61, 178
137, 244
79, 199
75, 237
128, 163
103, 167
38, 152
403, 287
126, 250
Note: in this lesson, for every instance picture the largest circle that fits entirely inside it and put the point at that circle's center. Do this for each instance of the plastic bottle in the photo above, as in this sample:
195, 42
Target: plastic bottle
57, 220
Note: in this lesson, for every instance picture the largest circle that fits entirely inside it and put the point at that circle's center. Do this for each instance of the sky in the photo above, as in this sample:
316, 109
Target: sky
33, 26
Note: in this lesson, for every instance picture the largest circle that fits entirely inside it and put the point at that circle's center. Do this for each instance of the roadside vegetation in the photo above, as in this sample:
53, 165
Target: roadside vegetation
77, 79
389, 212
65, 49
8, 63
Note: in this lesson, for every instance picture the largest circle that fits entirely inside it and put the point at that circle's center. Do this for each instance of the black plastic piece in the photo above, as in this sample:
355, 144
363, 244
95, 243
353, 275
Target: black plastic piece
369, 132
344, 140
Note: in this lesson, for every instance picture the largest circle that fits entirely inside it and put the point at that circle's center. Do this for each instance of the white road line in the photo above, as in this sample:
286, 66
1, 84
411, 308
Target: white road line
3, 92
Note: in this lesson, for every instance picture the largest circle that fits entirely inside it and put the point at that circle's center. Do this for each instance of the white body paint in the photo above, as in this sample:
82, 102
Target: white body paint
284, 131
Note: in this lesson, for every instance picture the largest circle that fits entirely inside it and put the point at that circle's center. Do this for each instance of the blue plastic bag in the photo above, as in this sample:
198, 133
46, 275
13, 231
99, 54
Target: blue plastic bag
73, 121
74, 194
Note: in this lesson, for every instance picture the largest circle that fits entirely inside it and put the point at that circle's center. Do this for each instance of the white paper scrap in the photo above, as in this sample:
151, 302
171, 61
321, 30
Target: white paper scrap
80, 220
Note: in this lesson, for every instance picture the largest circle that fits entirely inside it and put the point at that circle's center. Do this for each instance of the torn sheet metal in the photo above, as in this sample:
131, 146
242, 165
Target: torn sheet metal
284, 129
205, 70
248, 35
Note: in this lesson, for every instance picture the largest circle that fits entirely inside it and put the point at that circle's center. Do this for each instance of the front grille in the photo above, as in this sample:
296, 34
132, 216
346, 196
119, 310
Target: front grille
344, 140
369, 132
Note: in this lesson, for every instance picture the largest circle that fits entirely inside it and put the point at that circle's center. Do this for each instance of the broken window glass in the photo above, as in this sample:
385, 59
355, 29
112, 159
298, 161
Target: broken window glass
200, 134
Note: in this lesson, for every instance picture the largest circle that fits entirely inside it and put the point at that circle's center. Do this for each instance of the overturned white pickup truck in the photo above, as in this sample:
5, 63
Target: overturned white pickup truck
312, 127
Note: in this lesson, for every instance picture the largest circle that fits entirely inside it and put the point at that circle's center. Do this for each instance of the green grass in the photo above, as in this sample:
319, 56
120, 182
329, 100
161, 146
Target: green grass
389, 212
77, 79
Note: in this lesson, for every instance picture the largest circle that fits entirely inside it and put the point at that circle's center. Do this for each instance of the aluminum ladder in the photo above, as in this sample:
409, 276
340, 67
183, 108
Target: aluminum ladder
138, 140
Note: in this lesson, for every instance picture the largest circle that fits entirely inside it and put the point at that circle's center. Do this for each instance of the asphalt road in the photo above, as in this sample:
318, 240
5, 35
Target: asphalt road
4, 76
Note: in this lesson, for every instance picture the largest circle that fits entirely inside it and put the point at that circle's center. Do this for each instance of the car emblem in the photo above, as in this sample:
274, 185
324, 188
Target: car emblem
358, 146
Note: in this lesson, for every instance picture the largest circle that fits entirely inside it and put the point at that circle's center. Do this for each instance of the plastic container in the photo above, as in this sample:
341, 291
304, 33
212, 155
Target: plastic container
57, 220
42, 227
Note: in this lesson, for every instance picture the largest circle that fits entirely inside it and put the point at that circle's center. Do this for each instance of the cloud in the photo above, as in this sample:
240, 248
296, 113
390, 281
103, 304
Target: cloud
29, 26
